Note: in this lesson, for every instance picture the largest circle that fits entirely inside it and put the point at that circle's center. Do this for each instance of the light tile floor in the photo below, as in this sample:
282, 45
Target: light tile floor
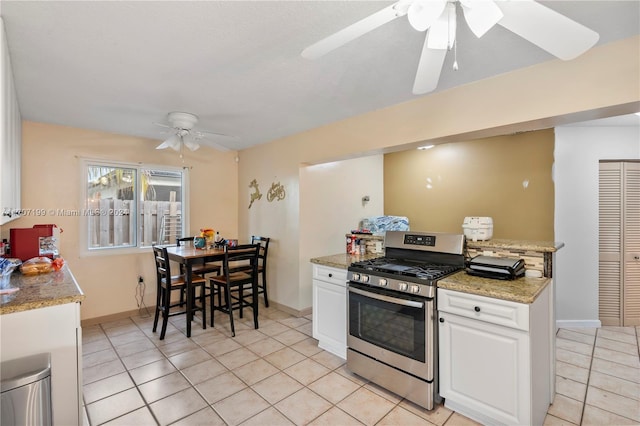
277, 375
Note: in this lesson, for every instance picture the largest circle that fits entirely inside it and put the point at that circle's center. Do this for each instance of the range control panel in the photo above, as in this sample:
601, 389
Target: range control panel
420, 240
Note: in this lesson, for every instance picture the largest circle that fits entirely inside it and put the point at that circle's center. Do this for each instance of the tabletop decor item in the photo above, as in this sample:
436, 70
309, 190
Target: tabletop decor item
208, 234
199, 242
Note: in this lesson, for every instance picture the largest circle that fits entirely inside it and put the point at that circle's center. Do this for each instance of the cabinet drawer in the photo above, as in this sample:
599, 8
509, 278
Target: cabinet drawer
494, 311
330, 275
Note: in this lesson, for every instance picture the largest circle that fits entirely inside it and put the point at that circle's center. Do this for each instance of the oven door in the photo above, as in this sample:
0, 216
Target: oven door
391, 327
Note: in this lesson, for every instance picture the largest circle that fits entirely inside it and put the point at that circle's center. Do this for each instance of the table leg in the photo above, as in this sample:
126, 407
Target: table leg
189, 290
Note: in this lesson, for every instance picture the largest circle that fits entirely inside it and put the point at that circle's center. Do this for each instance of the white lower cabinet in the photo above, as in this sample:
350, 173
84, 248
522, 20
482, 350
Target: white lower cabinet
494, 357
330, 309
55, 330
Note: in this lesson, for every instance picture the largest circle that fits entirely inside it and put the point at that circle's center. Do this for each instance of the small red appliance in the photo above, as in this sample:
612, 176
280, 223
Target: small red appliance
41, 240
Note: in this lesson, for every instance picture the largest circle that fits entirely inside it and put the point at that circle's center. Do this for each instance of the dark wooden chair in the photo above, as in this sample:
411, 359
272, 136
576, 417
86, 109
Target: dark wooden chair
239, 271
167, 284
262, 265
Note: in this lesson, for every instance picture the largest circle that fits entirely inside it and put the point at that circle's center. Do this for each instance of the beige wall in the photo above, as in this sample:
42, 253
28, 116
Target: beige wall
51, 179
537, 97
505, 177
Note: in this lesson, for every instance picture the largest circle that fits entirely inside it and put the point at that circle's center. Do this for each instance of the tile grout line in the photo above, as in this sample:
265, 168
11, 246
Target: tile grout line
586, 391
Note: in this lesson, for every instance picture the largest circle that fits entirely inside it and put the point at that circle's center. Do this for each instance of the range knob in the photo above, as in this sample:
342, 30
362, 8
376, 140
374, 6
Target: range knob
365, 278
382, 282
355, 277
403, 286
414, 289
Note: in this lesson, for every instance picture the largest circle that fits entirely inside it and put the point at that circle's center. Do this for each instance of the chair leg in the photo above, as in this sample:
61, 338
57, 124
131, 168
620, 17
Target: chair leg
166, 301
211, 302
241, 298
158, 308
203, 305
229, 308
254, 305
264, 288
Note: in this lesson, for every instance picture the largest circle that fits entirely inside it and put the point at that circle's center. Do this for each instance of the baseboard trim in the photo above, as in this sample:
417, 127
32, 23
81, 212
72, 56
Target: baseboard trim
136, 312
114, 317
578, 324
295, 312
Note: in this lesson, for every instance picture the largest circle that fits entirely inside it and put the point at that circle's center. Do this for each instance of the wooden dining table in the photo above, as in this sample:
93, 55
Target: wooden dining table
188, 255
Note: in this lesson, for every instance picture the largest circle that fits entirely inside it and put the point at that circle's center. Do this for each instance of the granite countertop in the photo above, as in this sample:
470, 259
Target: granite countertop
541, 246
39, 291
343, 260
521, 290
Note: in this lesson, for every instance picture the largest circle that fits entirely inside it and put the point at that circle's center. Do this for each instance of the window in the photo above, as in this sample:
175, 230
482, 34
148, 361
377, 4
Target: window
133, 206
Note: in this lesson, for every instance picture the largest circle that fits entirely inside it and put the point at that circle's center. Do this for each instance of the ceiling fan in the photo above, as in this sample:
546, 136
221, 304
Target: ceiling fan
184, 135
544, 27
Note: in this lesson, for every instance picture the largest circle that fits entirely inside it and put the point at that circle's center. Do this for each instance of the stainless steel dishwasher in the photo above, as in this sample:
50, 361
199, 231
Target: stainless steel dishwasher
26, 391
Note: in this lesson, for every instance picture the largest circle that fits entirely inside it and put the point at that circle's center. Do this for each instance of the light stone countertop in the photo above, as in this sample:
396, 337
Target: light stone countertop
39, 291
540, 246
343, 260
521, 290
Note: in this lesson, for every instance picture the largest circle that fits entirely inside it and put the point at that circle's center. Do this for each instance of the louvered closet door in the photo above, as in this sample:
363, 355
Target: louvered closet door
619, 263
610, 244
631, 243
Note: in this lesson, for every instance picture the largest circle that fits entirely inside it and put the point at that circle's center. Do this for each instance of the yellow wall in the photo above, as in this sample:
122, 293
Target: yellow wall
505, 177
51, 179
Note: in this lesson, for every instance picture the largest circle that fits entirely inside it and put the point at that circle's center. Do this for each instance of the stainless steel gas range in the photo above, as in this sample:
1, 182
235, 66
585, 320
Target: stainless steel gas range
391, 311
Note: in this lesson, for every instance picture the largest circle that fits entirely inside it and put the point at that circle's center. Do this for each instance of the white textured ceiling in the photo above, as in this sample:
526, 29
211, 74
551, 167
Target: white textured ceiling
120, 66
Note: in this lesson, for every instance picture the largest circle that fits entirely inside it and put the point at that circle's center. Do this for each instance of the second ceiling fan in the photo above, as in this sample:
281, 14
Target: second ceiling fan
185, 134
538, 24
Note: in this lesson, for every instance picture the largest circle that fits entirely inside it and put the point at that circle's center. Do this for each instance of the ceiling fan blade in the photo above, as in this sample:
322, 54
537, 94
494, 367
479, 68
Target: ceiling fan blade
429, 68
547, 29
201, 133
351, 32
442, 33
481, 15
214, 145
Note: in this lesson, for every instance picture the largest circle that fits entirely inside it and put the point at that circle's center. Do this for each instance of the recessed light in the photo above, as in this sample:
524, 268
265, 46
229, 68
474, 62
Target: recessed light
426, 147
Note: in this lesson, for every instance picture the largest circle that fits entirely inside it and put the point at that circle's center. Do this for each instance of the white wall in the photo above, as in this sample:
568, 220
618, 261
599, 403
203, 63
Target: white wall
331, 206
577, 153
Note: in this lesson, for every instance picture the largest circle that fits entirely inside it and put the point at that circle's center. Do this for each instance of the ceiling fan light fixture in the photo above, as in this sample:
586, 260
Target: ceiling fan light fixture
423, 13
190, 142
481, 15
172, 142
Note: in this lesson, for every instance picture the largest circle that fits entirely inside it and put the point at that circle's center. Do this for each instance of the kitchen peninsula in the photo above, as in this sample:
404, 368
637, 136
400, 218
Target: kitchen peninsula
43, 316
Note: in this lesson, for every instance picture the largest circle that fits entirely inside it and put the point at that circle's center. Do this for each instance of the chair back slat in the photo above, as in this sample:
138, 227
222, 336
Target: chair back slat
163, 266
243, 254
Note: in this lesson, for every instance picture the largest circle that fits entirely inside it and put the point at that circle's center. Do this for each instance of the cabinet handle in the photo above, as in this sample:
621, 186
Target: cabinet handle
477, 308
636, 257
330, 275
441, 319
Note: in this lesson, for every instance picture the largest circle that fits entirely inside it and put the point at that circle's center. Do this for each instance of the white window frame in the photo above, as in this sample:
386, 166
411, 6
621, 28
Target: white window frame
85, 250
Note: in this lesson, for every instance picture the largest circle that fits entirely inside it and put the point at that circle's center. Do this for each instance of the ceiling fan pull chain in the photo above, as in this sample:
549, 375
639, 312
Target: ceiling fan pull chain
455, 55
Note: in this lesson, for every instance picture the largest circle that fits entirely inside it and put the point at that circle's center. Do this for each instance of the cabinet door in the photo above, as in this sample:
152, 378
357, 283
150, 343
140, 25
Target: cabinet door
10, 137
484, 370
330, 317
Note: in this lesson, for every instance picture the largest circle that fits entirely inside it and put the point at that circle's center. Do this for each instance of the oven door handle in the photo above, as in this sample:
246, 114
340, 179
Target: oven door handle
410, 303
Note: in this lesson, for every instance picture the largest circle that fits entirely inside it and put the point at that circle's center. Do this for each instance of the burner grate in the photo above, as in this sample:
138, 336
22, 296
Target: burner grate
408, 268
